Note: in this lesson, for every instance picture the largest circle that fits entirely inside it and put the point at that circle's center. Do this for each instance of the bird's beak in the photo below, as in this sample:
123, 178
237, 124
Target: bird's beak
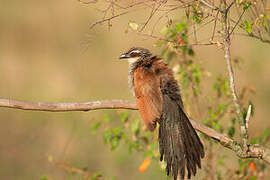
124, 56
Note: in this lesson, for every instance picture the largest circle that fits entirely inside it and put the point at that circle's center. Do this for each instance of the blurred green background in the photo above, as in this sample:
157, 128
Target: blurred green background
42, 59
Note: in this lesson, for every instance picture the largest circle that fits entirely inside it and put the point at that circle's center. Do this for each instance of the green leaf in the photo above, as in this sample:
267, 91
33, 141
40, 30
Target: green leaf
221, 108
197, 75
44, 177
107, 136
185, 83
253, 178
172, 33
221, 161
254, 141
124, 116
231, 131
233, 121
117, 131
180, 27
246, 6
184, 48
95, 127
191, 52
248, 27
115, 143
106, 118
216, 125
135, 127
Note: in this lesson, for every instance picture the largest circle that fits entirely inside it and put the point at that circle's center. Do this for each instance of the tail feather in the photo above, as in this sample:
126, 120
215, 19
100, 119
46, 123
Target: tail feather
179, 143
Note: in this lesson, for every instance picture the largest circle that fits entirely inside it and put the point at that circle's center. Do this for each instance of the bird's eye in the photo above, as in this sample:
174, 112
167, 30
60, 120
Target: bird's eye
132, 54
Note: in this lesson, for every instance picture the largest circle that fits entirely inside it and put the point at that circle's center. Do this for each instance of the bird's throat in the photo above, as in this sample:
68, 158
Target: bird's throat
133, 60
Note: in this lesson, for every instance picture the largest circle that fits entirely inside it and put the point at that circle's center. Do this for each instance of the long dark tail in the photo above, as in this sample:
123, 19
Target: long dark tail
179, 144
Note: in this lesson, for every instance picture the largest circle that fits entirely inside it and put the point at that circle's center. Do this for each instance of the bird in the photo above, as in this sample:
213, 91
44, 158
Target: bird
159, 102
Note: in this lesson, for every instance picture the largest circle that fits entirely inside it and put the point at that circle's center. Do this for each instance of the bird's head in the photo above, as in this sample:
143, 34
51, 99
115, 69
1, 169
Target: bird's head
136, 53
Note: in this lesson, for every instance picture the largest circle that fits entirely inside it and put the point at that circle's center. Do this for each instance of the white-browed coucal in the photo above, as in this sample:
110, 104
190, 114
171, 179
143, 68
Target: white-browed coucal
159, 101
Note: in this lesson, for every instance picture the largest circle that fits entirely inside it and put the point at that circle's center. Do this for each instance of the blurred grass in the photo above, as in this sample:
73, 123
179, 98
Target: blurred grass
41, 59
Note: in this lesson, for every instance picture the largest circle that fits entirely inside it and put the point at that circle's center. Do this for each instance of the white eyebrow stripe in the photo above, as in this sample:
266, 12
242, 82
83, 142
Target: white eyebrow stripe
135, 51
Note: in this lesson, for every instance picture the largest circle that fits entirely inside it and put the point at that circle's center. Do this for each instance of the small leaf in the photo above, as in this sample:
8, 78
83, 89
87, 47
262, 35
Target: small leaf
145, 164
221, 161
135, 125
106, 118
115, 143
248, 27
216, 125
133, 25
44, 177
253, 141
191, 52
95, 127
124, 116
107, 136
233, 121
180, 27
246, 6
231, 131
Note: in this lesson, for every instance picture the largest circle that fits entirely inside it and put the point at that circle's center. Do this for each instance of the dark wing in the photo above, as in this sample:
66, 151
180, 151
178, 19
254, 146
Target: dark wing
179, 143
148, 95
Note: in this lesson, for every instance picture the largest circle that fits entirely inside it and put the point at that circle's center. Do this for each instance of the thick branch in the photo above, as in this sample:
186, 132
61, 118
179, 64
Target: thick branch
254, 151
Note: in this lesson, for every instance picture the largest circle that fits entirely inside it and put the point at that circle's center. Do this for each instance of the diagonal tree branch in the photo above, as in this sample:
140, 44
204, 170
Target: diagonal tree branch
254, 151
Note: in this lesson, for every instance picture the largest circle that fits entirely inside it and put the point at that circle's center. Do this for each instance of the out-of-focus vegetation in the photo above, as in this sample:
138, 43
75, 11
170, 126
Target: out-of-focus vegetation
43, 57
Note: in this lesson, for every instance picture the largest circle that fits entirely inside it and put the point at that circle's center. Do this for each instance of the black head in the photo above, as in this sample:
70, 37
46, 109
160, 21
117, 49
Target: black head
136, 53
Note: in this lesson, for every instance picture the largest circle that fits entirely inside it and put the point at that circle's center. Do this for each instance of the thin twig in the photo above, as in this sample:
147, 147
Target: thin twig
227, 57
154, 10
215, 24
254, 36
239, 19
89, 2
208, 5
107, 19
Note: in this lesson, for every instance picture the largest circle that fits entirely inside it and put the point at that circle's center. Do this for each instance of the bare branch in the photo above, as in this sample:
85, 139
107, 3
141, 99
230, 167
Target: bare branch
227, 57
154, 10
254, 151
106, 20
87, 2
208, 5
238, 21
255, 36
60, 107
